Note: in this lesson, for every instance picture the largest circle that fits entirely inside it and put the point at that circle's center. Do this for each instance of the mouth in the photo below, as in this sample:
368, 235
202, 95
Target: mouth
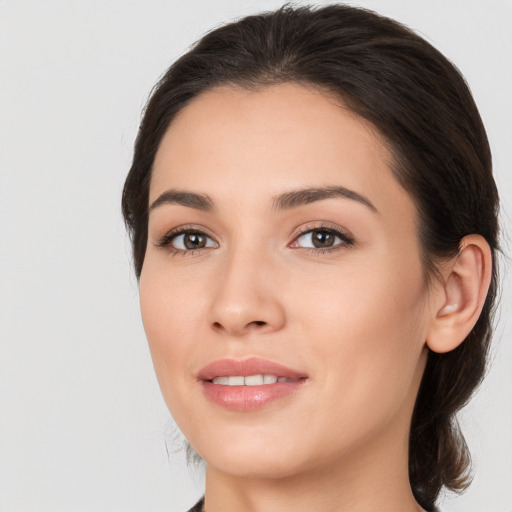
250, 380
250, 384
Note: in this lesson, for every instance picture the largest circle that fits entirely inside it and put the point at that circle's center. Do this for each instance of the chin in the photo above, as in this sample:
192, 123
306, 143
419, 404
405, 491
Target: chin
259, 469
252, 458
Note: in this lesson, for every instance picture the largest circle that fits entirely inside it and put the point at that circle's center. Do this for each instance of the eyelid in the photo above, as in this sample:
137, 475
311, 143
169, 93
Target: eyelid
346, 237
165, 241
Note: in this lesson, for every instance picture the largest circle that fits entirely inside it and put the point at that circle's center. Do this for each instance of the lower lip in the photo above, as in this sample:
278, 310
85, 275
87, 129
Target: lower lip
249, 398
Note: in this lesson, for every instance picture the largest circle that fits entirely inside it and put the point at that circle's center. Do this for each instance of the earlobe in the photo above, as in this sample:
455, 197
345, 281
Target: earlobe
461, 296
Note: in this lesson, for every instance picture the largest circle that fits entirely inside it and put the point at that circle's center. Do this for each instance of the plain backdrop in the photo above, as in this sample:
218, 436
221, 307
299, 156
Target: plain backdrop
82, 424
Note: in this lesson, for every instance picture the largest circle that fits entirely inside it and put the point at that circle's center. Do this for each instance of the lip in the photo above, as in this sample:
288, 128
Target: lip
246, 367
248, 398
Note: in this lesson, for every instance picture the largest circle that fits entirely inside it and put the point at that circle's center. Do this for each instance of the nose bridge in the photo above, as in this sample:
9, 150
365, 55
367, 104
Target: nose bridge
245, 298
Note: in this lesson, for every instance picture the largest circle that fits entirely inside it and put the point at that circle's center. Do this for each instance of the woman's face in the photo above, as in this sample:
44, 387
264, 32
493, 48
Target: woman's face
281, 245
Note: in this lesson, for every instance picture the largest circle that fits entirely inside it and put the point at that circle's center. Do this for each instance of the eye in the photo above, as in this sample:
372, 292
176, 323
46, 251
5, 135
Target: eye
192, 240
186, 241
322, 239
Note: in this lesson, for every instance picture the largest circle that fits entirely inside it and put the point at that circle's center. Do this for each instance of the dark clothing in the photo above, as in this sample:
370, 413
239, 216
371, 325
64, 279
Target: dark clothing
198, 507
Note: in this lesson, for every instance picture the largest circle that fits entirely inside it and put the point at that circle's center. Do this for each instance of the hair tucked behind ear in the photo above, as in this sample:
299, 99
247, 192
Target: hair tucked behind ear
422, 106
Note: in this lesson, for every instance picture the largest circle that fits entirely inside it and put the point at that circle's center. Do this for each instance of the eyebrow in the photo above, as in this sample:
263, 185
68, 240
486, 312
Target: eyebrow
286, 201
305, 196
190, 199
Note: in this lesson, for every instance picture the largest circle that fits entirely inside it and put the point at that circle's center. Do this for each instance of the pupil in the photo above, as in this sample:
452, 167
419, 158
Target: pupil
194, 241
323, 239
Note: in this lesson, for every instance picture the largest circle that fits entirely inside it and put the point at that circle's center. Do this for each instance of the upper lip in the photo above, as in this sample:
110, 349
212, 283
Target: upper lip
246, 367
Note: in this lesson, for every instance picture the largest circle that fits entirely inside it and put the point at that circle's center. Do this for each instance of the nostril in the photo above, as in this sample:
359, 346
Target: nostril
238, 329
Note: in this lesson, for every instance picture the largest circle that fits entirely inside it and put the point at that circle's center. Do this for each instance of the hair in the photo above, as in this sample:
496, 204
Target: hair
423, 108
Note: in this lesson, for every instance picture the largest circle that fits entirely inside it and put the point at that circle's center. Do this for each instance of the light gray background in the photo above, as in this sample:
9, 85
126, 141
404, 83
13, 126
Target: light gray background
82, 423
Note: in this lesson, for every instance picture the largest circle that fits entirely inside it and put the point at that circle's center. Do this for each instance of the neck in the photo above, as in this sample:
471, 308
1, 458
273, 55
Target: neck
372, 478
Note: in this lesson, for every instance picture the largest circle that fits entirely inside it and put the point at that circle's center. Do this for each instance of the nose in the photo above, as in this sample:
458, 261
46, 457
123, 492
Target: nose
246, 297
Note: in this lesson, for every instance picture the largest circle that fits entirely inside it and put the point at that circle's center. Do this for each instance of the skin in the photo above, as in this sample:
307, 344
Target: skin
355, 319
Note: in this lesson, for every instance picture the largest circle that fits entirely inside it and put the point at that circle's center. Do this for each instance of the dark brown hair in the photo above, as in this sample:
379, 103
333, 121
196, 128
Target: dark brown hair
422, 106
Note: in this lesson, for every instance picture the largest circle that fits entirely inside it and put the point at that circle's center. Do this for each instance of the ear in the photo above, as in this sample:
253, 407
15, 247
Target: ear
459, 299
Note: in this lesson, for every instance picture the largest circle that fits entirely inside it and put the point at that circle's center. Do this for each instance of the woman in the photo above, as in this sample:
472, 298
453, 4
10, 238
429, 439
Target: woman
314, 228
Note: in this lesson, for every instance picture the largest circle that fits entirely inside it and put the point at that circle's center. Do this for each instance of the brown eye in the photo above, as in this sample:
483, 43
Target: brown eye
191, 240
194, 241
323, 239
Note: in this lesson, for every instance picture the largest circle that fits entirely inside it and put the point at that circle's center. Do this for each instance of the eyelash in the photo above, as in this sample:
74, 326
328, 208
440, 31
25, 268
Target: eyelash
346, 239
165, 241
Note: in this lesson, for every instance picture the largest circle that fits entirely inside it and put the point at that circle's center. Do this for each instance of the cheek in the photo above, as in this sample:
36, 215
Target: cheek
171, 303
382, 297
169, 319
169, 316
367, 329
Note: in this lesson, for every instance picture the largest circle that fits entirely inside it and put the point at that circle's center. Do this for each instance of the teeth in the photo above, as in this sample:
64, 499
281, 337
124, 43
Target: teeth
221, 380
250, 380
254, 380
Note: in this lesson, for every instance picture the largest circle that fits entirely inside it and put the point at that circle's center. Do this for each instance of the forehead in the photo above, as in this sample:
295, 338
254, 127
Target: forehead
233, 142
